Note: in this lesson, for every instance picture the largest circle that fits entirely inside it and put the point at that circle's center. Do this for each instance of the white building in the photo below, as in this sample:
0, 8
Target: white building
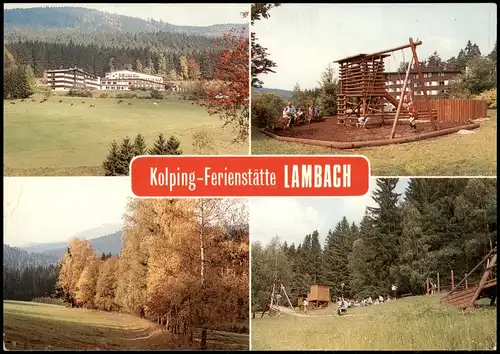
127, 80
66, 79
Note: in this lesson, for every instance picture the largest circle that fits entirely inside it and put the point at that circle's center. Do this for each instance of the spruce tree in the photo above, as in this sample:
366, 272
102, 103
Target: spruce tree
140, 146
125, 155
159, 147
111, 163
173, 145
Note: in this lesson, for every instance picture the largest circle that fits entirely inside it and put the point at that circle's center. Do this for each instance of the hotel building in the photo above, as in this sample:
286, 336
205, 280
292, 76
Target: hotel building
437, 82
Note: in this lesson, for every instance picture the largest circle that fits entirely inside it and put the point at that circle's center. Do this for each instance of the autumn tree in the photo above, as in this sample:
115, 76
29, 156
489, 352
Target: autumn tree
261, 64
86, 285
230, 98
194, 72
73, 263
106, 285
184, 74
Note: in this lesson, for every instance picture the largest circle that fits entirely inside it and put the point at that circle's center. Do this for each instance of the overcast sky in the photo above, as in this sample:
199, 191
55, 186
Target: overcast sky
304, 38
53, 209
176, 14
292, 218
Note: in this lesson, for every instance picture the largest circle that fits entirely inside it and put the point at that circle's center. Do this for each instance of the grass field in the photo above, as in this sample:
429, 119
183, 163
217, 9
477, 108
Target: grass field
415, 323
451, 155
30, 325
53, 138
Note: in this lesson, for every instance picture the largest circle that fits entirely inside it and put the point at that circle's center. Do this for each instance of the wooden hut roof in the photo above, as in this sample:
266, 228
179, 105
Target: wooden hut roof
359, 57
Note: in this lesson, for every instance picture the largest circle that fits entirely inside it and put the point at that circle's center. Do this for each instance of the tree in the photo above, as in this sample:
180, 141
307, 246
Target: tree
139, 145
230, 99
138, 65
162, 64
194, 72
160, 146
329, 90
111, 164
79, 255
480, 76
17, 83
86, 285
173, 145
493, 54
266, 107
106, 285
184, 74
260, 62
434, 61
125, 156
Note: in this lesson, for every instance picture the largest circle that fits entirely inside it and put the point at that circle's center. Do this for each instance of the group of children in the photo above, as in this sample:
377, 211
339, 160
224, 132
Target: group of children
293, 116
346, 303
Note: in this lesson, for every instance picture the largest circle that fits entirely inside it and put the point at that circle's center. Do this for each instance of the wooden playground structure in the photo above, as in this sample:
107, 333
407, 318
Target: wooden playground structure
364, 101
362, 90
317, 297
465, 294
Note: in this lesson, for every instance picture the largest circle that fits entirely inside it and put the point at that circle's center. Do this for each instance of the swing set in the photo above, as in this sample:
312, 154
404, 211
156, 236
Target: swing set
363, 93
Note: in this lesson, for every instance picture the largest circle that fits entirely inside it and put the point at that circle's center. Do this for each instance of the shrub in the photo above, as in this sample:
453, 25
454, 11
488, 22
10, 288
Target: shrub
155, 94
489, 96
79, 92
128, 95
103, 95
266, 107
203, 142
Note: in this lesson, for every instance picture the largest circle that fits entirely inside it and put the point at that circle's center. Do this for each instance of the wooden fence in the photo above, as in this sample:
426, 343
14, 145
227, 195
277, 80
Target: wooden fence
454, 110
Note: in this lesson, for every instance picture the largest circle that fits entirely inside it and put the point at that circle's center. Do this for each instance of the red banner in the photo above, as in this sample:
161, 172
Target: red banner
249, 176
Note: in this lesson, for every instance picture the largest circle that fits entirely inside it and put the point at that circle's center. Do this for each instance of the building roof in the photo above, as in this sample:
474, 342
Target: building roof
429, 70
71, 69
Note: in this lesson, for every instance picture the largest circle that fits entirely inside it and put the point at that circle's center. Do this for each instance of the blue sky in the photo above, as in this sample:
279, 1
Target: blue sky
304, 38
292, 218
176, 14
53, 209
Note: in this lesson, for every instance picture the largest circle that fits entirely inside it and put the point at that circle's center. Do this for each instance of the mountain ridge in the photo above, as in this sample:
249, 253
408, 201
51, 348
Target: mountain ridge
84, 20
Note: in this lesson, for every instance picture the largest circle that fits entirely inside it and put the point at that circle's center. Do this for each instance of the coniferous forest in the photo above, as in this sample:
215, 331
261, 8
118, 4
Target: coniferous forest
55, 38
436, 226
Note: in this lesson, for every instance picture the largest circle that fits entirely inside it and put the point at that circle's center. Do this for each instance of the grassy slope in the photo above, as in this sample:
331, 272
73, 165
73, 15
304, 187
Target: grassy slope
415, 323
452, 155
29, 325
59, 139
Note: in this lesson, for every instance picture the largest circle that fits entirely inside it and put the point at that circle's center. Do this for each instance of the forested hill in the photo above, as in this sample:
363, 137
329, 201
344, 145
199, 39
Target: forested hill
98, 42
17, 258
46, 22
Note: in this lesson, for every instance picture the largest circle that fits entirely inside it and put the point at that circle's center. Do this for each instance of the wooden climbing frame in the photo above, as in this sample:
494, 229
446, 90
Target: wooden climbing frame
362, 90
464, 294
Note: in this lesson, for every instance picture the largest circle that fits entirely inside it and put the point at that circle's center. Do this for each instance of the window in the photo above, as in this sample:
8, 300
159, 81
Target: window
441, 83
434, 83
441, 74
415, 76
429, 74
445, 82
398, 89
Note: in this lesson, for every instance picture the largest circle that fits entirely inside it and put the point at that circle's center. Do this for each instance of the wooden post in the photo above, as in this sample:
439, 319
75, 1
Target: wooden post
466, 283
452, 280
421, 79
439, 286
427, 286
485, 277
400, 104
